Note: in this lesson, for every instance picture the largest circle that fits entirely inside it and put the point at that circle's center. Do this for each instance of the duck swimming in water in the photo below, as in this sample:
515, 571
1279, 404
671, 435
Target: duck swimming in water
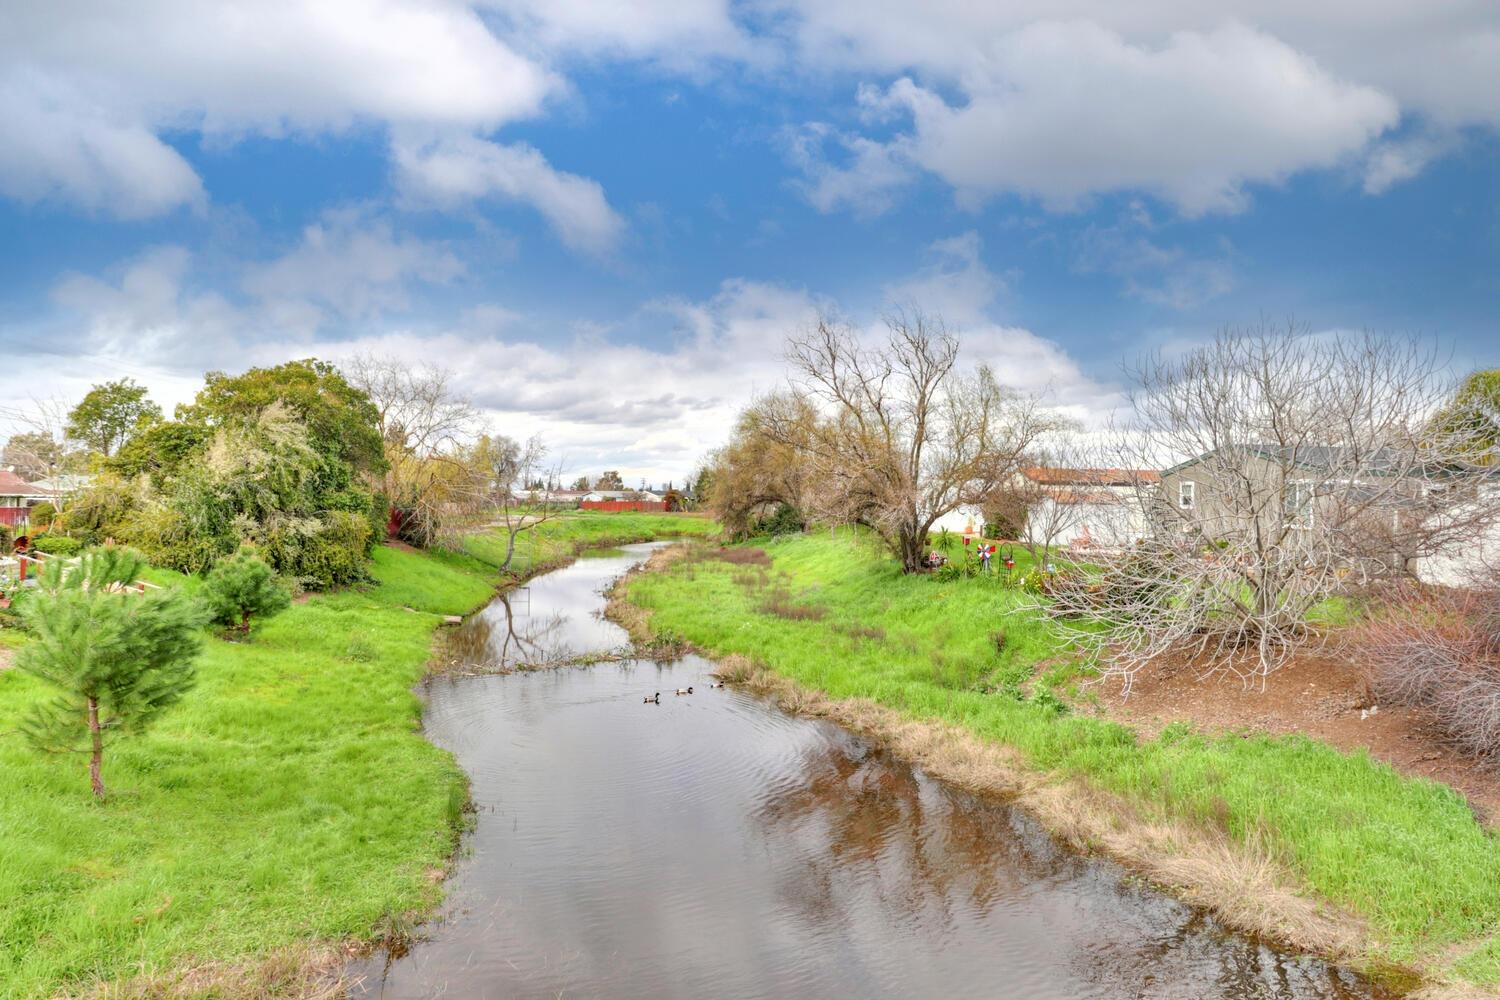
716, 684
654, 699
686, 690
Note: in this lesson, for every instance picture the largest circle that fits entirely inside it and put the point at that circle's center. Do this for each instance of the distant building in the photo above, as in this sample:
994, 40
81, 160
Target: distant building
17, 497
615, 500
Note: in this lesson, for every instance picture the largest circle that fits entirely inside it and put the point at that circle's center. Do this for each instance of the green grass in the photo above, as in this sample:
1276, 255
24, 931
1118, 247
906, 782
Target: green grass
565, 537
1405, 853
290, 798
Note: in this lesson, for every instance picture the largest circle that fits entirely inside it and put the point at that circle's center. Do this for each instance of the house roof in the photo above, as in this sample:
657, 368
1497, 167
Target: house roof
1328, 457
617, 494
12, 485
1048, 475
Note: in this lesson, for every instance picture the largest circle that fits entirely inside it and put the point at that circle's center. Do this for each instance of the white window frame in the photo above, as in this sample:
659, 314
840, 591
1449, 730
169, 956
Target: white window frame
1302, 516
1187, 495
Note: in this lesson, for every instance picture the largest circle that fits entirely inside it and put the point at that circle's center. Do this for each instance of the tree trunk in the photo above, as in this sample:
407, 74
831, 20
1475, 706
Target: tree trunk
96, 758
910, 547
245, 622
510, 549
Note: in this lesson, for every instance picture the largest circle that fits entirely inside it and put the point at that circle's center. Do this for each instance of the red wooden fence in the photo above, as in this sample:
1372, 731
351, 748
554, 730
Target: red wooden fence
624, 505
12, 515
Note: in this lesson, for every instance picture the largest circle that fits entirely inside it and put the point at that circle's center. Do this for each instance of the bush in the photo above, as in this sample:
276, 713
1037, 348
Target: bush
57, 545
784, 520
40, 516
7, 538
324, 552
1441, 651
243, 587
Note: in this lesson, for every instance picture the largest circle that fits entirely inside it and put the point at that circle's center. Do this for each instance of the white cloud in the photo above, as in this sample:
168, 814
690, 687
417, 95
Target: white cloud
1061, 111
56, 148
866, 182
87, 90
1391, 163
456, 168
599, 399
351, 266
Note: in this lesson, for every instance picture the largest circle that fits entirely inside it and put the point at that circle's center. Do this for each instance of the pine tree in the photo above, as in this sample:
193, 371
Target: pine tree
117, 658
241, 587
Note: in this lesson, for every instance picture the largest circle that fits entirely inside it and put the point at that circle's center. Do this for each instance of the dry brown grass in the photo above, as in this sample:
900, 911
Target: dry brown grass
312, 973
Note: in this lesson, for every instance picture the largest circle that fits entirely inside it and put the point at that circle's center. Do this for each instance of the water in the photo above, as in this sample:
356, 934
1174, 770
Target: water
712, 846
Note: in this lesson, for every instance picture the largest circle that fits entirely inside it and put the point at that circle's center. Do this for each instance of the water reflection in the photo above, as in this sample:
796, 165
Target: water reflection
713, 846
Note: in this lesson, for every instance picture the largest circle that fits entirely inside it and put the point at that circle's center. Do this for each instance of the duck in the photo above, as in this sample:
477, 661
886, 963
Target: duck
716, 684
654, 699
686, 690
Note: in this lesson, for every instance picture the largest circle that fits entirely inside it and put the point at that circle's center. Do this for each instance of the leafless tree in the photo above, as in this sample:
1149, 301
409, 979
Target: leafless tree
898, 436
429, 431
1305, 466
524, 486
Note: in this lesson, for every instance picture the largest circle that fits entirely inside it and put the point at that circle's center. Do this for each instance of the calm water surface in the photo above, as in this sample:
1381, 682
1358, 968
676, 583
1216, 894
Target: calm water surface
712, 846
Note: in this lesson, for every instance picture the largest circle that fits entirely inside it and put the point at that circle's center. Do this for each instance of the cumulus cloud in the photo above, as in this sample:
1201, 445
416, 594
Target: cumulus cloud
87, 92
456, 168
649, 405
1061, 111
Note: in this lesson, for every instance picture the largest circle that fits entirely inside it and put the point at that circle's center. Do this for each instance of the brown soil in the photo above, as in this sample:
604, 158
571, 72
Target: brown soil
1324, 697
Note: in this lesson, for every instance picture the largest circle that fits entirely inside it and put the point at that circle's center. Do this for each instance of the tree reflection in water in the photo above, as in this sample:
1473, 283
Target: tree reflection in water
941, 861
500, 639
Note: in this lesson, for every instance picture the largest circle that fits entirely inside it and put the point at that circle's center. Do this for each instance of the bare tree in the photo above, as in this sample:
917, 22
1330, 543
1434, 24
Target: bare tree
516, 471
898, 437
1305, 466
428, 429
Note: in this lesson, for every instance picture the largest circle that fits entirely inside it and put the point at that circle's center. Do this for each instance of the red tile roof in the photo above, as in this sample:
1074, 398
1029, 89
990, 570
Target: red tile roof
13, 485
1051, 476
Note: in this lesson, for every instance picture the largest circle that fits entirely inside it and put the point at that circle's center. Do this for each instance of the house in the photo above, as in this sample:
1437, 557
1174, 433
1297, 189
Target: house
1383, 511
17, 497
63, 485
616, 500
1087, 508
1472, 560
965, 519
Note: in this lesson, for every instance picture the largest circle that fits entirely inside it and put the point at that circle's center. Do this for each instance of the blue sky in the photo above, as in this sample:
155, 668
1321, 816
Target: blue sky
605, 217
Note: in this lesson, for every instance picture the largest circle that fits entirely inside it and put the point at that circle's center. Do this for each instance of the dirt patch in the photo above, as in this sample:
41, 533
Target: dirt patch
1321, 696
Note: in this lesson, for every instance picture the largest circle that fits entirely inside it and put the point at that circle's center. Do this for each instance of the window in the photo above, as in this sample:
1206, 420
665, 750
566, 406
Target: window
1186, 494
1297, 505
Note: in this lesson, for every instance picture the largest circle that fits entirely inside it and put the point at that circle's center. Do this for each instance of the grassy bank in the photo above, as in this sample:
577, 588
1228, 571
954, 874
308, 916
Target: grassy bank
288, 801
1403, 857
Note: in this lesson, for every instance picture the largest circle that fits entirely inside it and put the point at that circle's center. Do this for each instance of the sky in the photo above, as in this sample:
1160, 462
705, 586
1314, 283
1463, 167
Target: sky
606, 217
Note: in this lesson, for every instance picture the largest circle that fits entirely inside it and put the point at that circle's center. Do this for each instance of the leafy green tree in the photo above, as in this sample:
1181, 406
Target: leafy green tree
609, 481
160, 450
110, 414
580, 484
243, 587
342, 423
116, 659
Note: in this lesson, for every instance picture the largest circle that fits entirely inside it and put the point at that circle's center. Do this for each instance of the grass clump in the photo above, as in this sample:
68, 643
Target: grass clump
1404, 855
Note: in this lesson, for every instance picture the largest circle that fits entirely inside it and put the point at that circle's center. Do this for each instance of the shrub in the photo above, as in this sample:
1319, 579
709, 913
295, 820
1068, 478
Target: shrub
40, 516
7, 538
57, 545
784, 520
243, 587
324, 552
1441, 651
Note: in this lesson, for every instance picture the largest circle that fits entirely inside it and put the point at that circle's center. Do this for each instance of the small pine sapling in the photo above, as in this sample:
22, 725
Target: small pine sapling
243, 587
117, 657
